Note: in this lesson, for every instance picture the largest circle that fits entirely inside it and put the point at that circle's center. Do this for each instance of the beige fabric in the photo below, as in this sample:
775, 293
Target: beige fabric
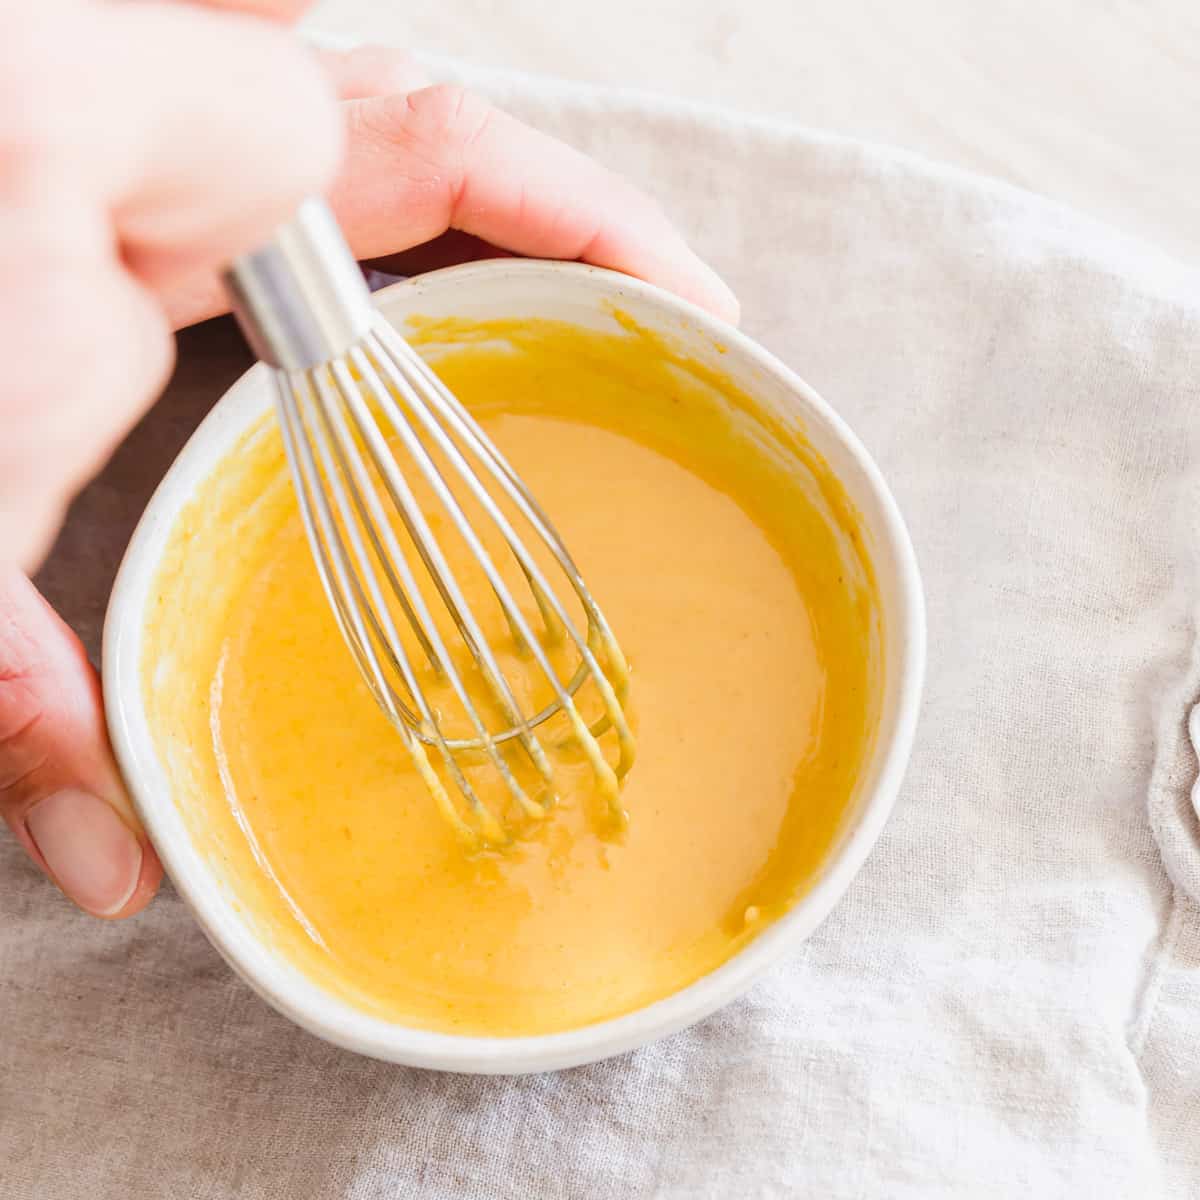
1007, 1001
1091, 104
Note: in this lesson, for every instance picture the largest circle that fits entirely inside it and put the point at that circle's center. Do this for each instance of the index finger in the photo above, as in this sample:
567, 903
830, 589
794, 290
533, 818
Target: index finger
442, 158
274, 10
244, 125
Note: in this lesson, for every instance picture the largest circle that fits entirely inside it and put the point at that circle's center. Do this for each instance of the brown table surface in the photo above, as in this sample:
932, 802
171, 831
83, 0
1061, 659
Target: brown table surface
78, 575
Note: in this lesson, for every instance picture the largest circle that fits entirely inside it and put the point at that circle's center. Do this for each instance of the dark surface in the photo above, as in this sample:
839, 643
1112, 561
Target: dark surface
78, 575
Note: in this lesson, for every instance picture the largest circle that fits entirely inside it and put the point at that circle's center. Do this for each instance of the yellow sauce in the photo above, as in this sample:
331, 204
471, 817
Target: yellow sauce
728, 564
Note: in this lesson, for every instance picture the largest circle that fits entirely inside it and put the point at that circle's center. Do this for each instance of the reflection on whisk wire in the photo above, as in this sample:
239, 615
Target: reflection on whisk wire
364, 418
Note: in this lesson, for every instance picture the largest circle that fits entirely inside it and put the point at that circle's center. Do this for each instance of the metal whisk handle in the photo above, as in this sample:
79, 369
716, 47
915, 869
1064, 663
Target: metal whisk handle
301, 299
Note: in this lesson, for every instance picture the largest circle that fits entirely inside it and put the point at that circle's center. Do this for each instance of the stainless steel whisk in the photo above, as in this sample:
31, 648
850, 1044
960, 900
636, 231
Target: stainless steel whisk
364, 418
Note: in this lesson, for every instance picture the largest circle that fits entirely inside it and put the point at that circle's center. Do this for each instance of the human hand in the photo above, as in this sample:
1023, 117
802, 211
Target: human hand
418, 163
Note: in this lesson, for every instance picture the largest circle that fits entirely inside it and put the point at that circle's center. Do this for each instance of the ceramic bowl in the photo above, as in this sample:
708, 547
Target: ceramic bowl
585, 296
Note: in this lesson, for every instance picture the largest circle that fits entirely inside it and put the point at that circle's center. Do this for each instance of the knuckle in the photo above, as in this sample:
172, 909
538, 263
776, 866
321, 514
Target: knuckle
22, 713
43, 693
433, 108
393, 123
433, 127
449, 113
437, 128
52, 731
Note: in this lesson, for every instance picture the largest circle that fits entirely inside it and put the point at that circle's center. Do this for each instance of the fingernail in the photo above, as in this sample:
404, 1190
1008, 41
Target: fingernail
92, 854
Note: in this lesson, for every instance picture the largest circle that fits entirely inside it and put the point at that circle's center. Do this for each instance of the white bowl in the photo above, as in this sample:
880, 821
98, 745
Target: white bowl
583, 295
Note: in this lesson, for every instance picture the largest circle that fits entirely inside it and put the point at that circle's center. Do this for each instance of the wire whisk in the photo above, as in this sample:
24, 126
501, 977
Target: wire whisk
456, 596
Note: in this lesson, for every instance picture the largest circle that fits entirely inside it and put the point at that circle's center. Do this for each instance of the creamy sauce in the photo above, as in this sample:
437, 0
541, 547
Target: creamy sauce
728, 564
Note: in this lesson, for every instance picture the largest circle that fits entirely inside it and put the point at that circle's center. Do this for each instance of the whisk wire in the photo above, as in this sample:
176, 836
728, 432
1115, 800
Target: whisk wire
512, 611
407, 594
357, 483
430, 551
443, 402
353, 613
350, 391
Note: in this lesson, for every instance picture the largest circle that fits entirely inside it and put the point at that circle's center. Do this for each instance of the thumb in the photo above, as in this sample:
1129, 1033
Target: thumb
60, 790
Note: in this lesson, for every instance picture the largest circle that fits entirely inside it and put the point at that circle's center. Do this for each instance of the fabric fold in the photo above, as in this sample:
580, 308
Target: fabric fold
1005, 1002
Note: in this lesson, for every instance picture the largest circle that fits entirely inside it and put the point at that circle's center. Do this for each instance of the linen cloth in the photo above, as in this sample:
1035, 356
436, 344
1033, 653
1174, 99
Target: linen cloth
1007, 1001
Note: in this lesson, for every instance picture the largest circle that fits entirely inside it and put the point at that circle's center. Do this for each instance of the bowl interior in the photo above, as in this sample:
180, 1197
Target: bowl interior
596, 300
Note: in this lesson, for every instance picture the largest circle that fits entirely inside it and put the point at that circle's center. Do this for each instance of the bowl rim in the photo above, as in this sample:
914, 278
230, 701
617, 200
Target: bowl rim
304, 1001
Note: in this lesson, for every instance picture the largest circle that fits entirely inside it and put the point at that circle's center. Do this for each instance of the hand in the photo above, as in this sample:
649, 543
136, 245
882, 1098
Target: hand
92, 282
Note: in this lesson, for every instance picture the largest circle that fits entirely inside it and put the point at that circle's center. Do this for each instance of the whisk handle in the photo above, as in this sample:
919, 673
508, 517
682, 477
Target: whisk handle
301, 299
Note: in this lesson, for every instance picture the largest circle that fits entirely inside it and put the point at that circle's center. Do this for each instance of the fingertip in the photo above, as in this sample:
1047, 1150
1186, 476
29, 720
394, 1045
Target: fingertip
88, 849
671, 264
61, 792
146, 887
714, 294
